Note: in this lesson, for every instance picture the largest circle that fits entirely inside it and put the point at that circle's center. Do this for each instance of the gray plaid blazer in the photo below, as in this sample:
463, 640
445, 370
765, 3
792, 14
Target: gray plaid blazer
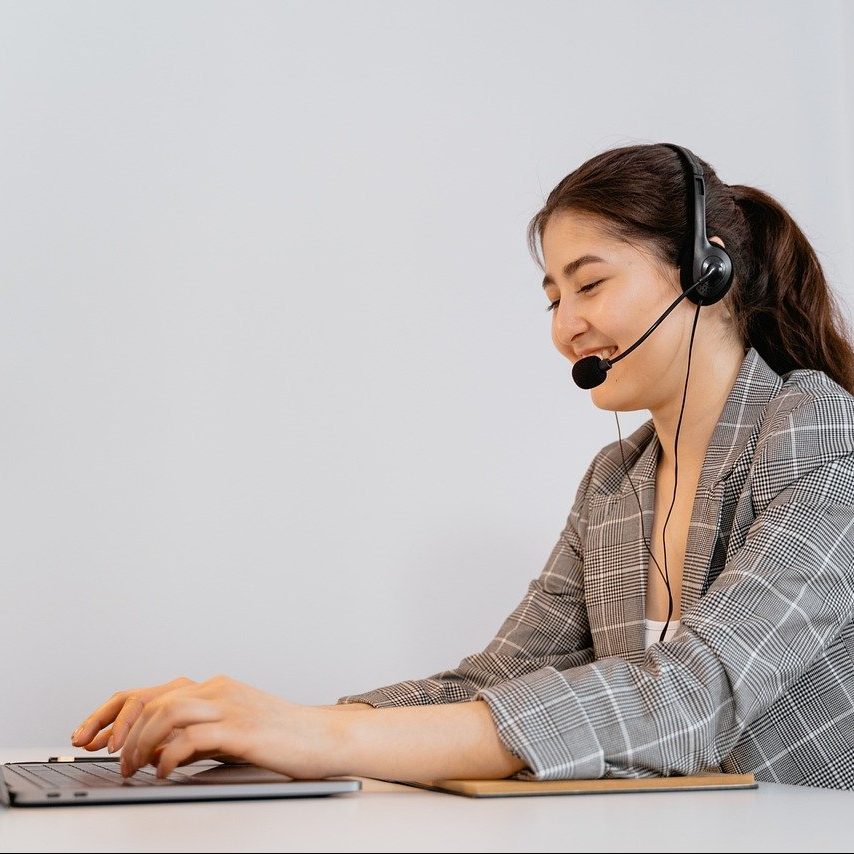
759, 676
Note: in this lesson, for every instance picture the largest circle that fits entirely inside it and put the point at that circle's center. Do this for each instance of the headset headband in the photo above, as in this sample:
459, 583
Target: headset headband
699, 256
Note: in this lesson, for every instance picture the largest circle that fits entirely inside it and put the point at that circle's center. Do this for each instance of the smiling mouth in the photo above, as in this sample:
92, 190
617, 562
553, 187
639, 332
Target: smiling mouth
607, 353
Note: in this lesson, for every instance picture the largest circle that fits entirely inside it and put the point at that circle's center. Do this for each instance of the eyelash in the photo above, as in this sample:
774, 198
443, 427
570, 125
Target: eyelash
587, 288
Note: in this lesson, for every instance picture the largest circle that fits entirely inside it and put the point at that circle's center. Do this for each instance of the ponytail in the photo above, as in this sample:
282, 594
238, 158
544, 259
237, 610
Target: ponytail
784, 307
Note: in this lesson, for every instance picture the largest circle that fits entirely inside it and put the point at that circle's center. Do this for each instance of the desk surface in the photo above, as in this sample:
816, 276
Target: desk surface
388, 817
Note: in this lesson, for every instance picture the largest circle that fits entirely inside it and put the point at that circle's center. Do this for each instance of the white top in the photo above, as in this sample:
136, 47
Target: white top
653, 630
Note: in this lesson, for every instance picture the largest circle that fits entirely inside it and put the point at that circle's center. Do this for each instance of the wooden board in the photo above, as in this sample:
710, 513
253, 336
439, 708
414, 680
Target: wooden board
510, 788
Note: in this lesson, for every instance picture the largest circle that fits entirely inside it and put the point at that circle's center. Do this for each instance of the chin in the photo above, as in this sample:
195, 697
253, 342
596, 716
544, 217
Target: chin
602, 399
610, 400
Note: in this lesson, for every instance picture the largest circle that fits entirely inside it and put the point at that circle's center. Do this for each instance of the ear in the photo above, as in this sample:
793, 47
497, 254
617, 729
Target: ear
718, 241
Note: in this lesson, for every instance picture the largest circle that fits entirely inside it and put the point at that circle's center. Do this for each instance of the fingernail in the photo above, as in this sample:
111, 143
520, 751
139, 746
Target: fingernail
76, 734
111, 745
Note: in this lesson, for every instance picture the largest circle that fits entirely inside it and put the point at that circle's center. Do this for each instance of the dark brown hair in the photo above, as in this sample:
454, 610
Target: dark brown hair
779, 301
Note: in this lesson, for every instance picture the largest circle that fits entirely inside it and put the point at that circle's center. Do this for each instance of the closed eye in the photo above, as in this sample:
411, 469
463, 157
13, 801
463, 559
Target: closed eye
586, 289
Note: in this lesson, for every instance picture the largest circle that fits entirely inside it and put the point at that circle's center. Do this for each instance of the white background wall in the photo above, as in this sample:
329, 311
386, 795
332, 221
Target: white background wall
278, 394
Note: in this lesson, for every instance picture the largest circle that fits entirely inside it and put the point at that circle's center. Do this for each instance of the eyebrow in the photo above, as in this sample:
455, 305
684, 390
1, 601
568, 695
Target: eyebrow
573, 267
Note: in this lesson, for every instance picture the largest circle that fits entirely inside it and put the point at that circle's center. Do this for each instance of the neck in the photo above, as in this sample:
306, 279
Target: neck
709, 385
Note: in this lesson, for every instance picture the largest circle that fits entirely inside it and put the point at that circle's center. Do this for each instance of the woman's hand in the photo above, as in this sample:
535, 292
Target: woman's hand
224, 716
122, 710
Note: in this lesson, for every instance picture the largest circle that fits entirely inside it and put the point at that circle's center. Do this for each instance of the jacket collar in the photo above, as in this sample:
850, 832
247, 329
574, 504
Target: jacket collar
756, 384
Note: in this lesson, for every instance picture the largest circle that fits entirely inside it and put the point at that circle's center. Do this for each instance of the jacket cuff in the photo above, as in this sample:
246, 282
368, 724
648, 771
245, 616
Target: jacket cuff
355, 698
540, 720
382, 698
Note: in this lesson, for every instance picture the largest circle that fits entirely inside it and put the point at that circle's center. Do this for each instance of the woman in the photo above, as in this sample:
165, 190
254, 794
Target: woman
730, 648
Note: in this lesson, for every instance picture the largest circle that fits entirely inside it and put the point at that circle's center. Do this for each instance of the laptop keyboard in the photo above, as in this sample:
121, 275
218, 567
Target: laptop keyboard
91, 775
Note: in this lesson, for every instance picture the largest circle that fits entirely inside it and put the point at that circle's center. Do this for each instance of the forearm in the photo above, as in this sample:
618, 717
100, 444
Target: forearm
454, 741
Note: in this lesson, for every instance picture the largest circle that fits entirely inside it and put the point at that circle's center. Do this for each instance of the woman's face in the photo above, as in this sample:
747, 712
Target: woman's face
610, 303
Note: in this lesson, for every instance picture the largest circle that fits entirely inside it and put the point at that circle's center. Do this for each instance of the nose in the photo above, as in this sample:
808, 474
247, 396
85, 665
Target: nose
566, 326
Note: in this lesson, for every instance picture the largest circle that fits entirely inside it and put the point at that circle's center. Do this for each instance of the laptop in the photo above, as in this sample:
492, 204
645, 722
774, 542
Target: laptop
67, 780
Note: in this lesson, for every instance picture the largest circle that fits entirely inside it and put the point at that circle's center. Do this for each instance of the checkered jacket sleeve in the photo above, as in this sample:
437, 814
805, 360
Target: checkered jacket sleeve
548, 629
736, 670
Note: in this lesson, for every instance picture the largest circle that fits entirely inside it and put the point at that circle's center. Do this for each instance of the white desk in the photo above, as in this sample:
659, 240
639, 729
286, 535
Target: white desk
387, 817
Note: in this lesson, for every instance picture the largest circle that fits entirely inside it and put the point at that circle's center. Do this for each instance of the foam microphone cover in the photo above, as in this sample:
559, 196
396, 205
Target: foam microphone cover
589, 372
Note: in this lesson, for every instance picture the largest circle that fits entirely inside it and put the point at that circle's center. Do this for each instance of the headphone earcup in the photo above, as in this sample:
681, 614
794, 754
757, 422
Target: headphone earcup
716, 288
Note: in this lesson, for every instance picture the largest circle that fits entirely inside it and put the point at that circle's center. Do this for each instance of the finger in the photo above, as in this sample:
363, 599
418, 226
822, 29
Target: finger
155, 753
103, 715
210, 689
198, 740
125, 719
182, 686
99, 741
158, 721
108, 712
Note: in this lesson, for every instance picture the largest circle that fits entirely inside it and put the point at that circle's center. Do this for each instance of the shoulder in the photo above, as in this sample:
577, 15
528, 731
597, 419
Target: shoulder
811, 415
807, 438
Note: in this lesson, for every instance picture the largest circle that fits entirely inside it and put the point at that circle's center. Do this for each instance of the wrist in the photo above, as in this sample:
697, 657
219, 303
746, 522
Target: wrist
340, 742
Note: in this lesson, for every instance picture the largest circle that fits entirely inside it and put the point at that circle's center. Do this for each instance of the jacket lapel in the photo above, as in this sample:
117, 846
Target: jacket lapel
616, 558
620, 517
728, 458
